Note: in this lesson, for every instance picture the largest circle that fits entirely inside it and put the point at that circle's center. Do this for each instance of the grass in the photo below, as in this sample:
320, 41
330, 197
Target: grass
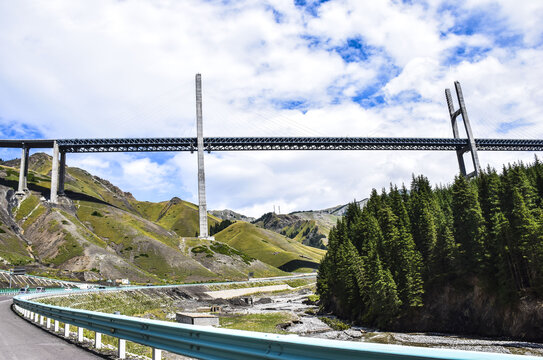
27, 206
82, 230
131, 303
224, 249
13, 250
70, 248
265, 245
257, 322
334, 323
34, 216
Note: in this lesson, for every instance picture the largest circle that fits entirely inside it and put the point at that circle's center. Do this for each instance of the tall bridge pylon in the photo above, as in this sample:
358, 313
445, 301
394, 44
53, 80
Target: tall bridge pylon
471, 147
202, 206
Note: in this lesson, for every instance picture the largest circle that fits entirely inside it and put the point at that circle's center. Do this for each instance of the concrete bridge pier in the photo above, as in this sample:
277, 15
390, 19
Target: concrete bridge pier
58, 174
62, 173
54, 175
23, 171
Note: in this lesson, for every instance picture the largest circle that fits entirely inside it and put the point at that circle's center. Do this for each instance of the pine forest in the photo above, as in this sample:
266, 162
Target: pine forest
426, 257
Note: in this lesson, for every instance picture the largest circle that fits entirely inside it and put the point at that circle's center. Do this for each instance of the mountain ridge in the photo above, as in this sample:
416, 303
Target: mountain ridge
99, 231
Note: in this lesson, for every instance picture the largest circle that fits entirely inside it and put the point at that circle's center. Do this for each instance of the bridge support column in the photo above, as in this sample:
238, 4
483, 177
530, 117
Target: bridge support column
202, 206
97, 340
23, 171
62, 173
471, 141
54, 175
121, 350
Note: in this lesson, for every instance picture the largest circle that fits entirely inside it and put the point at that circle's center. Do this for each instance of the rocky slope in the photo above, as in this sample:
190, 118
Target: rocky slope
308, 227
231, 215
100, 232
296, 226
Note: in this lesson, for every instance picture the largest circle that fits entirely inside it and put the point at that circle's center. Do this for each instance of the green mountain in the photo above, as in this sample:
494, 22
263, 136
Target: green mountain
272, 248
100, 232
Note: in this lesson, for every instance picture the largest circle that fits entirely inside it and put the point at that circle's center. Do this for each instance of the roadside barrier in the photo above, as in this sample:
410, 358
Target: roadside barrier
204, 342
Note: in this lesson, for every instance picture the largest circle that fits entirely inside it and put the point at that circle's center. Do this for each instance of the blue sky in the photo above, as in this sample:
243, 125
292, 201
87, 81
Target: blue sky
270, 68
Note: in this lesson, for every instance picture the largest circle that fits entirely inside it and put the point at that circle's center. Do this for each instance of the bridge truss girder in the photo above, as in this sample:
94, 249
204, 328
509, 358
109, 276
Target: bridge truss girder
294, 143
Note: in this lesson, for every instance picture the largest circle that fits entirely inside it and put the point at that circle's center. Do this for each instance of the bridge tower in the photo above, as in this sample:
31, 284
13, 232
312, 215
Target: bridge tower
54, 175
471, 141
23, 171
202, 206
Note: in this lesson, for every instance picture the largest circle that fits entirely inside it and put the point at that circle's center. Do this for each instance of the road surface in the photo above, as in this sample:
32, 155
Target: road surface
20, 340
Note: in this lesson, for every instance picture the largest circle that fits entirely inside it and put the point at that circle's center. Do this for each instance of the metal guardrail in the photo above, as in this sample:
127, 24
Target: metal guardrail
28, 291
214, 343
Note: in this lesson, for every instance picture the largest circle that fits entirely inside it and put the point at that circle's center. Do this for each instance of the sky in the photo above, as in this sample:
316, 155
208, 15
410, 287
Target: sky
103, 69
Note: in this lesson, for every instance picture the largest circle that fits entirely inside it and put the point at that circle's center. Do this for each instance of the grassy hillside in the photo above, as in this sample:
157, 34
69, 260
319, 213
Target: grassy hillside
270, 247
176, 215
308, 228
100, 232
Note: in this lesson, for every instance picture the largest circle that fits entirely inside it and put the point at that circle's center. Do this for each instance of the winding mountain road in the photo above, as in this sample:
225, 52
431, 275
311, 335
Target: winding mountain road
20, 340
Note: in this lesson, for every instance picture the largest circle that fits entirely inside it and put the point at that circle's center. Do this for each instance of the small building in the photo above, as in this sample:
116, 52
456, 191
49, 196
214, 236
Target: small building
197, 319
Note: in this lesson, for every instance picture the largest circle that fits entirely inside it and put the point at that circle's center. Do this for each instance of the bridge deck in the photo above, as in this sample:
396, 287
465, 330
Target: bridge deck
275, 143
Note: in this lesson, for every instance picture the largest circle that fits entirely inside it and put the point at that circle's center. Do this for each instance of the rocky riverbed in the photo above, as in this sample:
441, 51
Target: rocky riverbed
306, 323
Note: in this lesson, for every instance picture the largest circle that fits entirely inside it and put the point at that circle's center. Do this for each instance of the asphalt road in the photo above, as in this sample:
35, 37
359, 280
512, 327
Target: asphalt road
22, 340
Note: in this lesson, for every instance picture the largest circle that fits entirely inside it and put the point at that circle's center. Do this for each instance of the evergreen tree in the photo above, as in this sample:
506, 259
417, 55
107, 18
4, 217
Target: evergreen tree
499, 266
469, 228
401, 258
379, 293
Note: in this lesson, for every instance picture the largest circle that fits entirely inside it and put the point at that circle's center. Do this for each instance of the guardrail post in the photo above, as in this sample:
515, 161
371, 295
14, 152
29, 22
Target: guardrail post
97, 340
80, 334
36, 317
157, 354
66, 330
56, 325
121, 354
48, 323
42, 320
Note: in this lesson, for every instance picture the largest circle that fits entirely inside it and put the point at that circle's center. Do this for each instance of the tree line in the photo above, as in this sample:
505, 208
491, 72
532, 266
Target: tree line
382, 259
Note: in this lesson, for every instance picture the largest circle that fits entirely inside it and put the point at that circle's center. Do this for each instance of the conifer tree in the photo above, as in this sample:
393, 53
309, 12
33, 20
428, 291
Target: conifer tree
401, 258
499, 267
469, 228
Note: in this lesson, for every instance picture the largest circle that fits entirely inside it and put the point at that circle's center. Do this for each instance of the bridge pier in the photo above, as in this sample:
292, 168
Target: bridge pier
471, 140
54, 175
62, 173
23, 171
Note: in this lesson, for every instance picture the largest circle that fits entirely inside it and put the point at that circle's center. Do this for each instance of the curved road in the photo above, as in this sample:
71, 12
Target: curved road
22, 340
